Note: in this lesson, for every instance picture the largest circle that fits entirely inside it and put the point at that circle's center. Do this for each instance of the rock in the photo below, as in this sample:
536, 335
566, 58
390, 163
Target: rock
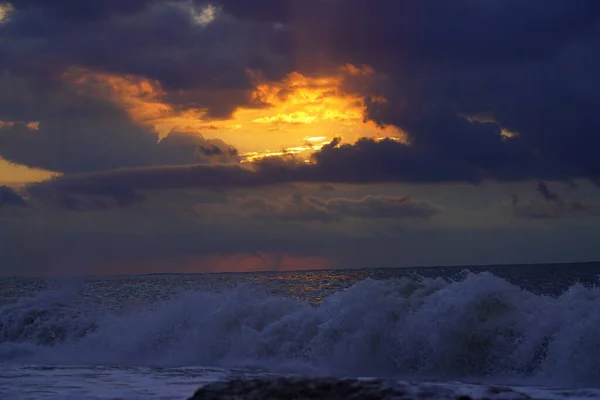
298, 389
304, 388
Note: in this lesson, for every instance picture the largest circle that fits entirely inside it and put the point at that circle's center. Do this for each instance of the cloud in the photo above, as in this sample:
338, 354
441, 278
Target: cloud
78, 131
547, 194
9, 197
95, 203
430, 102
456, 80
364, 162
182, 147
532, 208
187, 58
446, 66
166, 233
297, 207
366, 226
53, 76
392, 160
113, 183
552, 206
76, 11
479, 91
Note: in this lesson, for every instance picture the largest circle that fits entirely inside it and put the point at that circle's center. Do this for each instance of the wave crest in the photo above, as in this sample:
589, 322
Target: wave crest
478, 326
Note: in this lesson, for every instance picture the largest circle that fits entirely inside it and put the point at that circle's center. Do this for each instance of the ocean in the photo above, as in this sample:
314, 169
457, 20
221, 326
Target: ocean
488, 332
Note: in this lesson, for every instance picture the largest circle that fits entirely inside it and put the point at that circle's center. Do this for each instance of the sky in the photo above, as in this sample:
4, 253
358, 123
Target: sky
167, 136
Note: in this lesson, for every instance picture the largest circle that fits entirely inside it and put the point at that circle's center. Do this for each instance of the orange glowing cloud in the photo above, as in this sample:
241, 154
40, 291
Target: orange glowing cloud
14, 173
306, 113
300, 99
141, 98
302, 113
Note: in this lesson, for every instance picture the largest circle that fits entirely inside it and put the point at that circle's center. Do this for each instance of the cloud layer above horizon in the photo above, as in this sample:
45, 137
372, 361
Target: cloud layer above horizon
123, 100
456, 77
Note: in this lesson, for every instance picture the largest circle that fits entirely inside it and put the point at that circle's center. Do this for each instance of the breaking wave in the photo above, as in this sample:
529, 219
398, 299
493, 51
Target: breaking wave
476, 327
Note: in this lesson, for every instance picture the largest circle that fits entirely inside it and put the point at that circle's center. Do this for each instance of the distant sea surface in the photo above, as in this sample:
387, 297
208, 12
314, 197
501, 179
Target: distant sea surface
533, 328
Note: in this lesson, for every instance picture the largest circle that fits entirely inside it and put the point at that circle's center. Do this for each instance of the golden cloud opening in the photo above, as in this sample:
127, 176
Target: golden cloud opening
297, 115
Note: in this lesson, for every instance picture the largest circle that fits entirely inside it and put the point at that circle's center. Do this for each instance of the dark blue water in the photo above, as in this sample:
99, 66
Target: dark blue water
158, 336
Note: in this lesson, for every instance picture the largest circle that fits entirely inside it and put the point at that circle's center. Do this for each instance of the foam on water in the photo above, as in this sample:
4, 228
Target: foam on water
142, 383
478, 328
103, 383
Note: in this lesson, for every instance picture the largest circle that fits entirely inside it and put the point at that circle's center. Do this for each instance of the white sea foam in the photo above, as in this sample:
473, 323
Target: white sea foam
481, 328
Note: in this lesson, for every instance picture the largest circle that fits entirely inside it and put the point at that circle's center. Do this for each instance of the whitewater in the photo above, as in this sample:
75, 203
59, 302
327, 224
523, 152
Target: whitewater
447, 331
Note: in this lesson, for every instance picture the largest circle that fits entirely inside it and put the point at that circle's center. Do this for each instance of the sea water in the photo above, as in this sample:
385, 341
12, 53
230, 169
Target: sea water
450, 330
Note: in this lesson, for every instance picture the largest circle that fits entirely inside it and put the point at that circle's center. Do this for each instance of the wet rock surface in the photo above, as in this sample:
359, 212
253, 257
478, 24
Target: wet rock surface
338, 389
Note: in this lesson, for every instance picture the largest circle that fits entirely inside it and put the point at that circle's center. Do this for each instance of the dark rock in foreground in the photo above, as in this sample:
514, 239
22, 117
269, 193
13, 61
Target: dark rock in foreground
289, 388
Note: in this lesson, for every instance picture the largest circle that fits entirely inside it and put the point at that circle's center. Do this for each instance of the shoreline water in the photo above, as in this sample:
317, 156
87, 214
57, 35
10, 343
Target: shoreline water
143, 337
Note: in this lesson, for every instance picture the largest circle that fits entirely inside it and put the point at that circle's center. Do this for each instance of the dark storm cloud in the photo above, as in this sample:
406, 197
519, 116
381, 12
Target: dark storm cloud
155, 39
9, 197
181, 147
550, 205
265, 10
546, 193
366, 161
82, 141
73, 145
298, 207
538, 209
416, 30
78, 11
81, 131
95, 203
390, 160
114, 183
456, 74
529, 66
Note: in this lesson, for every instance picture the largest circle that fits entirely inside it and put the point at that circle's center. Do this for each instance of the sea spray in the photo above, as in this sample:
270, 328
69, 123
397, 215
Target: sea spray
480, 326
